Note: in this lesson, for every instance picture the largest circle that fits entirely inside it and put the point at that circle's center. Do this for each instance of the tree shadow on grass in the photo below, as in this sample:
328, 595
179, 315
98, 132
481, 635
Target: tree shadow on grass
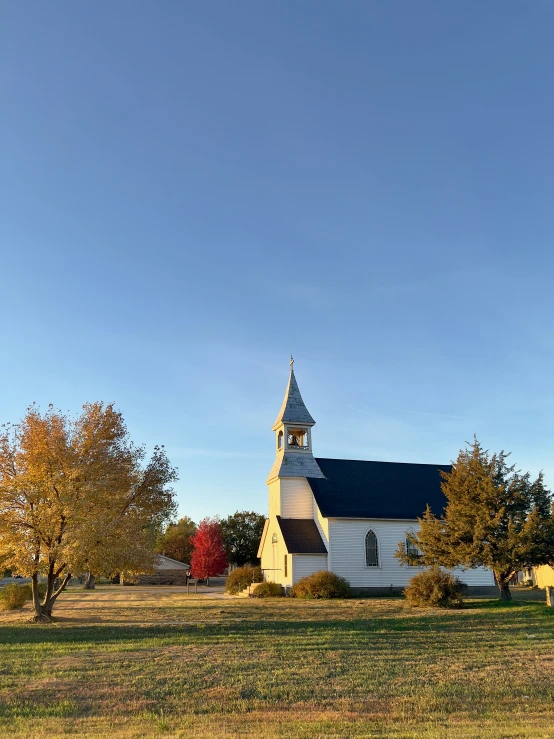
416, 622
497, 604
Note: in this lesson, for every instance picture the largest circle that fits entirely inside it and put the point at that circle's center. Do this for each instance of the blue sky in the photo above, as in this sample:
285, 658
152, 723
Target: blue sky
192, 191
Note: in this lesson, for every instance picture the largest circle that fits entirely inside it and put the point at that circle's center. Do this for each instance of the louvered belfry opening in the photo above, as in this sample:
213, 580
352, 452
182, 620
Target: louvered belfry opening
297, 438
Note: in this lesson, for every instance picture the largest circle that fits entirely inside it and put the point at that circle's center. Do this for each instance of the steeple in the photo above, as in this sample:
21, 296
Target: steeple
293, 431
293, 409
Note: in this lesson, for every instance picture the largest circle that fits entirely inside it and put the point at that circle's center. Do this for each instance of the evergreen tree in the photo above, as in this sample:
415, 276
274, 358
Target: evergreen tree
495, 517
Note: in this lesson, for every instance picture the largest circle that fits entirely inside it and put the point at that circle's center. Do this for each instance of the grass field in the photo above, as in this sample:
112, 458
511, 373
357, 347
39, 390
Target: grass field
146, 662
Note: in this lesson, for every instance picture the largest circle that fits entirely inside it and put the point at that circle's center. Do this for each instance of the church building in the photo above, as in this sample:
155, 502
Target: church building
345, 516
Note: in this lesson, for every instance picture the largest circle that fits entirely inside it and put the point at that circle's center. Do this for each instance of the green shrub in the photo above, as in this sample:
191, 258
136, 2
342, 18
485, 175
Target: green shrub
242, 577
267, 590
13, 596
41, 586
27, 589
321, 584
435, 588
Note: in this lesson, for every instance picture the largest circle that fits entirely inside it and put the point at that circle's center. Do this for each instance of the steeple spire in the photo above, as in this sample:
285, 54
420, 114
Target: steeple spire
293, 427
293, 409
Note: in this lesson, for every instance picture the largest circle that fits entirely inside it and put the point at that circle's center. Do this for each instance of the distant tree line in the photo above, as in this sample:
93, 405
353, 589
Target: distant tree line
214, 543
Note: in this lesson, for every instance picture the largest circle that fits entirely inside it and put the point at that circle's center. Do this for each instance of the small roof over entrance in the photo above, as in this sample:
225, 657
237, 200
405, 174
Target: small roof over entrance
301, 536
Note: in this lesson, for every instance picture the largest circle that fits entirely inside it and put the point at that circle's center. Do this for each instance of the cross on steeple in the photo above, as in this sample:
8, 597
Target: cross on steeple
291, 362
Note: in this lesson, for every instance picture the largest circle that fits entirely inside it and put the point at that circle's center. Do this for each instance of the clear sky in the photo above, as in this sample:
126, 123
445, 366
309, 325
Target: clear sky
191, 191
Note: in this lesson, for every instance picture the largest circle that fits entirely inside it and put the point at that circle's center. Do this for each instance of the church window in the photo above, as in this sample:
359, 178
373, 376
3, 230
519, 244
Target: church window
412, 551
274, 539
371, 550
280, 440
297, 438
286, 568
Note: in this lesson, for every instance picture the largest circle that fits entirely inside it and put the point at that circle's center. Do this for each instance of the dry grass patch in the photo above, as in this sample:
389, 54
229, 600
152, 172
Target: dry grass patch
150, 662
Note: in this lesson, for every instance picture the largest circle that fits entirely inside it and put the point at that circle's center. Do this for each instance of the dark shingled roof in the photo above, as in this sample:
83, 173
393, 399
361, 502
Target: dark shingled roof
301, 536
356, 489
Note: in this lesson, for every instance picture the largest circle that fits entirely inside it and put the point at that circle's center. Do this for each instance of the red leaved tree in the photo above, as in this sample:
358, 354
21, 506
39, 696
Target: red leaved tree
209, 557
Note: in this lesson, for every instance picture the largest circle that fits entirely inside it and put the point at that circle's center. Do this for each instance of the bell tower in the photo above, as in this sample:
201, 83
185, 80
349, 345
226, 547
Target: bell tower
293, 436
291, 501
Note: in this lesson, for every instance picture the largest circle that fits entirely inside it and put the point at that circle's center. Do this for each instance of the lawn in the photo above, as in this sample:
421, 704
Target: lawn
147, 662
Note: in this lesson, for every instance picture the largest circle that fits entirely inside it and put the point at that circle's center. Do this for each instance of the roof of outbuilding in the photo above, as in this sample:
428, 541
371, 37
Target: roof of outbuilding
301, 536
293, 409
397, 490
182, 565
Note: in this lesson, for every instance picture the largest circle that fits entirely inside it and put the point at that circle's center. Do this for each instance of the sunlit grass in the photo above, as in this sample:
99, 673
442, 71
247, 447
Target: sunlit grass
124, 662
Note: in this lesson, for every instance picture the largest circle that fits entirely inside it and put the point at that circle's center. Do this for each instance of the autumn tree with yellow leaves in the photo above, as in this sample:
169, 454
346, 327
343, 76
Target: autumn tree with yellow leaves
76, 495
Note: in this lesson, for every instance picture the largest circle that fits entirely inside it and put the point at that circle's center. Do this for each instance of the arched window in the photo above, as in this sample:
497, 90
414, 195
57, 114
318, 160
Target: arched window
280, 440
274, 539
411, 550
371, 550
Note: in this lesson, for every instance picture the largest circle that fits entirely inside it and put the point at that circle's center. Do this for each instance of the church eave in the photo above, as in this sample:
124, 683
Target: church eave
262, 540
295, 465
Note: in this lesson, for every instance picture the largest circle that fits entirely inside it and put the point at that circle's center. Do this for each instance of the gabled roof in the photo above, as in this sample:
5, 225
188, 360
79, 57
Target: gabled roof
182, 565
301, 536
397, 490
293, 409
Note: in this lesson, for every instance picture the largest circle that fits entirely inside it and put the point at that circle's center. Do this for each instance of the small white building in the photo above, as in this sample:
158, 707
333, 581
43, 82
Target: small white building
345, 516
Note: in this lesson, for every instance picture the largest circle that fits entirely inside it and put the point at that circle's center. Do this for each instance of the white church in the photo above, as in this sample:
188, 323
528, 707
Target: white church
345, 516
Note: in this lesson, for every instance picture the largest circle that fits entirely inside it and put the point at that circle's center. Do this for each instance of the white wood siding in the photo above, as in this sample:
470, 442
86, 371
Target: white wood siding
323, 528
347, 538
273, 556
274, 494
321, 522
306, 564
544, 576
296, 498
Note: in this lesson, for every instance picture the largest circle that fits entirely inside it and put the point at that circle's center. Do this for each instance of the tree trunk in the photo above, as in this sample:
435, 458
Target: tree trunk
90, 582
37, 605
503, 583
43, 611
